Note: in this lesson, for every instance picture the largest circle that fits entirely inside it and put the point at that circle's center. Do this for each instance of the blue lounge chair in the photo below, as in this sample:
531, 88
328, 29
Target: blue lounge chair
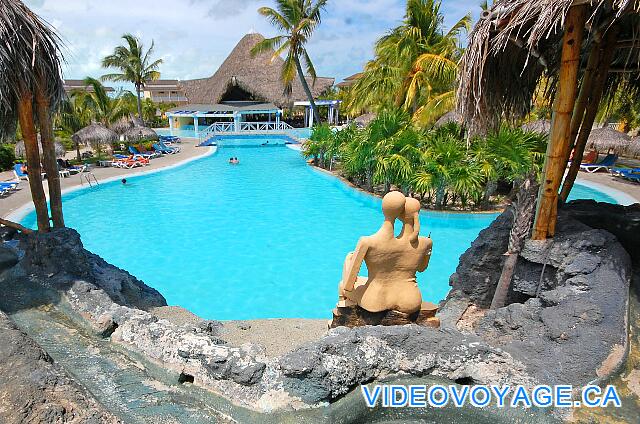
635, 176
164, 150
17, 171
605, 164
136, 153
169, 138
163, 145
621, 172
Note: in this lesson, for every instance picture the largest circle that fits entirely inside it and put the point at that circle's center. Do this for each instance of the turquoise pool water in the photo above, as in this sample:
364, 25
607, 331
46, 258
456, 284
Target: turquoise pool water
264, 239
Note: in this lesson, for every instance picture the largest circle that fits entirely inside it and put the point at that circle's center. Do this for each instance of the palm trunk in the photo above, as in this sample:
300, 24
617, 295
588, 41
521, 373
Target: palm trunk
523, 211
307, 90
139, 103
49, 158
78, 155
25, 116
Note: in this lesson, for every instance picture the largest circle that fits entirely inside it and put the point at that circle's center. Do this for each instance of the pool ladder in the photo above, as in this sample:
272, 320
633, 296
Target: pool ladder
89, 178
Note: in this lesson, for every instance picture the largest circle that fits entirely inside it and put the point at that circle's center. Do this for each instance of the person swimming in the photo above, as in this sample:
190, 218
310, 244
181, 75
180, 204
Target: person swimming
124, 181
234, 161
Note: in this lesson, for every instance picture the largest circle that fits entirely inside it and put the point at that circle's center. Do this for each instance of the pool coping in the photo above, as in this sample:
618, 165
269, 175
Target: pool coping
21, 212
619, 196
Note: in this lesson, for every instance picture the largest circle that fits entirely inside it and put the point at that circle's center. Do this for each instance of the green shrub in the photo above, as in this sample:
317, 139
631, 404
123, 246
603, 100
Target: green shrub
7, 156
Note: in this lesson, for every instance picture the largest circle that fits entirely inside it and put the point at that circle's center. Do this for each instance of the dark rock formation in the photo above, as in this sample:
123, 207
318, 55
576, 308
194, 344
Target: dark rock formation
332, 366
60, 258
621, 221
568, 297
35, 390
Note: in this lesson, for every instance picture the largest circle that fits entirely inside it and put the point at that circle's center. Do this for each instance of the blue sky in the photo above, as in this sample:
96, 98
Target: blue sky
193, 37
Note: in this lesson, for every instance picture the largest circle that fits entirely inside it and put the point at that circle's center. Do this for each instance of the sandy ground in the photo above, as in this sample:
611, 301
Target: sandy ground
278, 336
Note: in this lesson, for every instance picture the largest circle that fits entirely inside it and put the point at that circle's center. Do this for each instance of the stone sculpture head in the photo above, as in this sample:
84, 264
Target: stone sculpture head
393, 205
411, 208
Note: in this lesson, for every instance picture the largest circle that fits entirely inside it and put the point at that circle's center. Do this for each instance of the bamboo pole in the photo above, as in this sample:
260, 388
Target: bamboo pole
586, 88
561, 125
591, 112
49, 156
25, 116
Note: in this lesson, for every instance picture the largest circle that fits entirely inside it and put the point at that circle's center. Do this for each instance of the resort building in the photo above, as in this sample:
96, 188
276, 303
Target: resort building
246, 88
349, 81
164, 91
71, 85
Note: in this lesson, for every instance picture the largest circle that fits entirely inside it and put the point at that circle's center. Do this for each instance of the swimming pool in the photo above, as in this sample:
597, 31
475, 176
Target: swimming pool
264, 239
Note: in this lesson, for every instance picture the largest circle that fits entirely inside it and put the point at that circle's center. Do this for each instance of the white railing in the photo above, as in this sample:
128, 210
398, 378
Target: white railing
244, 128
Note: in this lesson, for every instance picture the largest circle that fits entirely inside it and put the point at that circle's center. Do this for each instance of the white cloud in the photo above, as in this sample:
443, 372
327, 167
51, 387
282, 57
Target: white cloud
194, 36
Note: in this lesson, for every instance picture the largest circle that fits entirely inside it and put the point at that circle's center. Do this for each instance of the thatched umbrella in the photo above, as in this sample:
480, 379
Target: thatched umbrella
140, 133
31, 86
519, 43
540, 126
121, 126
452, 116
364, 120
20, 150
603, 139
95, 135
633, 148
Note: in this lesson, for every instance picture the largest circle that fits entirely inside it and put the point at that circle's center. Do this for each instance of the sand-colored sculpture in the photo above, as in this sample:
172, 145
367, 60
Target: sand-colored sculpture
389, 294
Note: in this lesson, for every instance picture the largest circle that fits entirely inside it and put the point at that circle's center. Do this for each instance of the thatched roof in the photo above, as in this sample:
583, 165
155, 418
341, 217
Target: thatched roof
540, 126
20, 151
29, 50
257, 75
94, 134
140, 133
603, 139
633, 148
518, 42
364, 120
448, 117
121, 126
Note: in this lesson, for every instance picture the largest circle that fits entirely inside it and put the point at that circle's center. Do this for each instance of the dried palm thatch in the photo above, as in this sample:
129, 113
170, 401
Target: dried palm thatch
542, 126
364, 120
633, 148
517, 43
31, 87
20, 150
94, 135
140, 133
603, 139
29, 61
449, 117
245, 77
121, 126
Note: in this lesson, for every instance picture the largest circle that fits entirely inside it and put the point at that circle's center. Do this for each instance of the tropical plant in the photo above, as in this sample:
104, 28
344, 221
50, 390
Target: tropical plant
74, 114
296, 20
415, 66
135, 65
437, 165
103, 108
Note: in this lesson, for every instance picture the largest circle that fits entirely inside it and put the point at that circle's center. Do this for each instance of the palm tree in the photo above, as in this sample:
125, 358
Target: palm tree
104, 109
296, 20
73, 116
134, 64
415, 66
31, 87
